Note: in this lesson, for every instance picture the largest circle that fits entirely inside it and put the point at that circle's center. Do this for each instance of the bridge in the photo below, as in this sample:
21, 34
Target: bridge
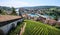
7, 22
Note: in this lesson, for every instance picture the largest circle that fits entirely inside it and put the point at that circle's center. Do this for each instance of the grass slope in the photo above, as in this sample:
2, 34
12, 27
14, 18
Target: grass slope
37, 28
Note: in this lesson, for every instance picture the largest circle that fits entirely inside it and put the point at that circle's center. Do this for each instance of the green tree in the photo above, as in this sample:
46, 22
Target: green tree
13, 11
0, 11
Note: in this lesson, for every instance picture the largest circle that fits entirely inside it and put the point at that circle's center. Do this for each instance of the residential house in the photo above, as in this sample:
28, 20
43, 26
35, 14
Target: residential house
46, 20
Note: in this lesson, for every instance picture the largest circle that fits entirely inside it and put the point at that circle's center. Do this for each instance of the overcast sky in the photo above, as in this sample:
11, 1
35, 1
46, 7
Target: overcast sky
27, 3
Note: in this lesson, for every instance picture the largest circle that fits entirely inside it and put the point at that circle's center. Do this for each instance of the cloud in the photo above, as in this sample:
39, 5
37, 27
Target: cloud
15, 3
25, 3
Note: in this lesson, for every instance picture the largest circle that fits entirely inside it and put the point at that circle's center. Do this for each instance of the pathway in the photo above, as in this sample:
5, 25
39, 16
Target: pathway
22, 29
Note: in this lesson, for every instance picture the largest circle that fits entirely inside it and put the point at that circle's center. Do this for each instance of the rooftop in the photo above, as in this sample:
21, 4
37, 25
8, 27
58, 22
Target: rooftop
8, 17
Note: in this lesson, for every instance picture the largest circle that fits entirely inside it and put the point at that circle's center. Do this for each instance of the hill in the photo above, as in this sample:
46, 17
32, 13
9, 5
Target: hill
5, 8
41, 7
38, 28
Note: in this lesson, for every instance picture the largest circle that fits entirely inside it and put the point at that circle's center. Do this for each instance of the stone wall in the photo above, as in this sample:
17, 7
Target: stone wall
5, 29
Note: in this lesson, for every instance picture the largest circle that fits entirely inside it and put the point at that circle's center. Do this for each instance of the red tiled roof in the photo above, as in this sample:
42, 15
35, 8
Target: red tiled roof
8, 17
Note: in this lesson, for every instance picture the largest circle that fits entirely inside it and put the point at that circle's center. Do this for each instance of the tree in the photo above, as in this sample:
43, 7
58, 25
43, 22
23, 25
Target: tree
13, 11
0, 11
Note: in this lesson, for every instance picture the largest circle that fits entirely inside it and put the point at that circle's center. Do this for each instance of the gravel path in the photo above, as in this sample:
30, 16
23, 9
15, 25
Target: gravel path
22, 29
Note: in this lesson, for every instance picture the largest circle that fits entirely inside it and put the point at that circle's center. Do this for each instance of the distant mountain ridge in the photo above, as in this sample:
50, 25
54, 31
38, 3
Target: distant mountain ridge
5, 8
41, 7
34, 7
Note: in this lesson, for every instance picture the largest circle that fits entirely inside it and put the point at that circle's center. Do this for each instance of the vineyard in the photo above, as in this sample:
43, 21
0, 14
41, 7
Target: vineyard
38, 28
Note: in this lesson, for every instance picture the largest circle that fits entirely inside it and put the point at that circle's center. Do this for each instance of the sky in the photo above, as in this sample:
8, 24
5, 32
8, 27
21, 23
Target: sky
29, 3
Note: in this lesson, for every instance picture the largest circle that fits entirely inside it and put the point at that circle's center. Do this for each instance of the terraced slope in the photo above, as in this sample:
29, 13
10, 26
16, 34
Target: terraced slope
37, 28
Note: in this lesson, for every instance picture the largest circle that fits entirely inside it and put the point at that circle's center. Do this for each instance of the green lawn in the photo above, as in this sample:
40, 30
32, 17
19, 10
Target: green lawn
38, 28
